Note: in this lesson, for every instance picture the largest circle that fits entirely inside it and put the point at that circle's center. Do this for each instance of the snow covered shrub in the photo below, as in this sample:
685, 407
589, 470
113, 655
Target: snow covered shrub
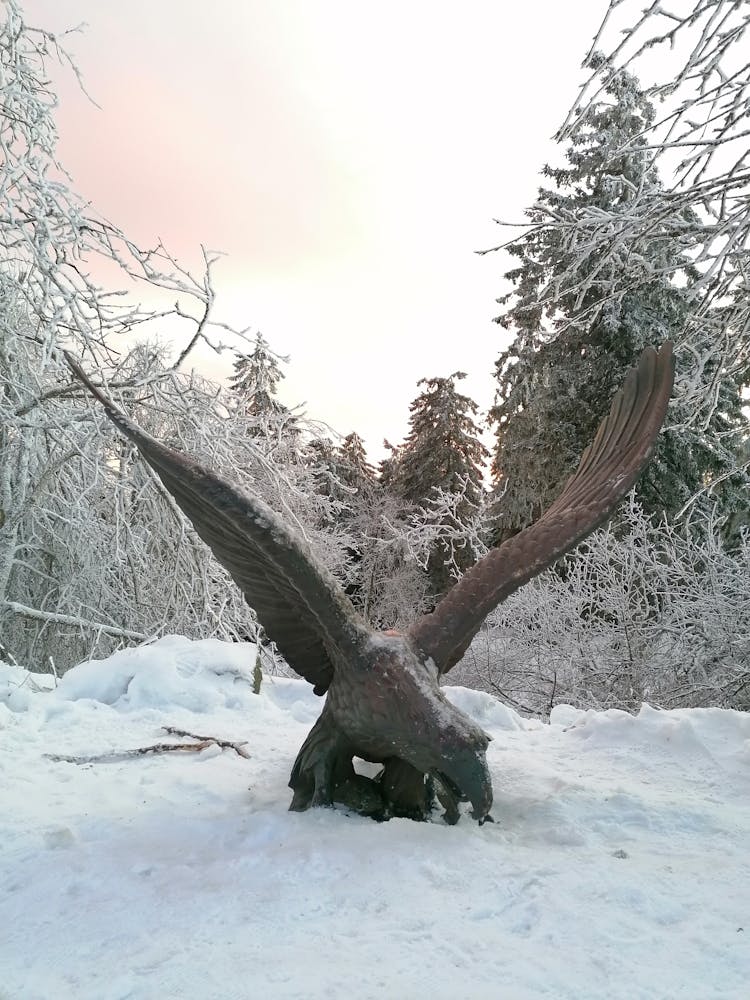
643, 611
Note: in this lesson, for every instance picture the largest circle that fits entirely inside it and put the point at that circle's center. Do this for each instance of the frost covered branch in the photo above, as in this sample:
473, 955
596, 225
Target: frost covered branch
693, 67
644, 611
51, 616
452, 522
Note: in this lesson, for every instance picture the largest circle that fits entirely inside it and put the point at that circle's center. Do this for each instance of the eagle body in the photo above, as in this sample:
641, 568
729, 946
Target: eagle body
383, 699
390, 710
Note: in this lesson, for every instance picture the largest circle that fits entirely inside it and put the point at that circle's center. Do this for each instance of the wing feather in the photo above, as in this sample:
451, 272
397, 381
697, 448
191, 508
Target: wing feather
609, 467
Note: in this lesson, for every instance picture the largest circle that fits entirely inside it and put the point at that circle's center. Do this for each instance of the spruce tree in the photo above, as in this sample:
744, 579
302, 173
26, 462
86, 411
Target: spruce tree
388, 467
342, 472
273, 427
383, 579
581, 318
353, 466
442, 452
256, 379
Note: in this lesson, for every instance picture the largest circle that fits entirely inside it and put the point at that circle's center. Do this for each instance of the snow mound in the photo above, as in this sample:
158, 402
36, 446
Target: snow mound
683, 732
485, 710
294, 697
200, 676
18, 686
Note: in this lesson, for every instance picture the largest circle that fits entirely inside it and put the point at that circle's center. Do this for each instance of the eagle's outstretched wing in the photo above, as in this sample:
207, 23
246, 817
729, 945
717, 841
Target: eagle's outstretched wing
608, 469
299, 604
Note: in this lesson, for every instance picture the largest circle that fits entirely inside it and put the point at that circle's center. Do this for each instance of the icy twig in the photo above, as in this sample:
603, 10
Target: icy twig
235, 745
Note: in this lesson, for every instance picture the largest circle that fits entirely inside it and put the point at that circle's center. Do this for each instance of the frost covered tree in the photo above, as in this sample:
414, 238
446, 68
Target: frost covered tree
388, 467
87, 540
442, 455
355, 468
699, 82
392, 584
50, 240
385, 576
648, 609
443, 448
278, 430
256, 378
697, 76
345, 472
87, 536
579, 320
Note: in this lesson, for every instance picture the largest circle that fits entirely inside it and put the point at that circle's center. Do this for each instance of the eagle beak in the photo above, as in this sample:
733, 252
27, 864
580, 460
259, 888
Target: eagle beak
467, 776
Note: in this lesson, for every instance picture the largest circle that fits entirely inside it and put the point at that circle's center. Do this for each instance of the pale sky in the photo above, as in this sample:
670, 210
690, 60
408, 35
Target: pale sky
349, 158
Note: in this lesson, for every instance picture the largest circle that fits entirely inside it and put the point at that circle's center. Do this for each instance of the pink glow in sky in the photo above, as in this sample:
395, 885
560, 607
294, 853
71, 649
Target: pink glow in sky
348, 157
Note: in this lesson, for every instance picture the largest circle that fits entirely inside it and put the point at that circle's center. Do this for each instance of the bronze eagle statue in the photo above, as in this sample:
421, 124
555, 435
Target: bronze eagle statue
384, 702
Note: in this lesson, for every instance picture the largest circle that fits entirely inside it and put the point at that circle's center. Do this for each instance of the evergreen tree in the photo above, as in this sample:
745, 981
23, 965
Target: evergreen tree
342, 473
363, 497
442, 452
582, 316
273, 427
388, 467
256, 378
383, 578
354, 468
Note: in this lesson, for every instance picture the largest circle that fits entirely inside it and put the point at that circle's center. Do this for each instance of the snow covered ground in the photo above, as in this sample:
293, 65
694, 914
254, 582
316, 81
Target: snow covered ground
618, 865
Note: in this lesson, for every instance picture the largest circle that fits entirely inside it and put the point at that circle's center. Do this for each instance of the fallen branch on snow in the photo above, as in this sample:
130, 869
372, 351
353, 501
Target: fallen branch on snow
224, 744
202, 743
